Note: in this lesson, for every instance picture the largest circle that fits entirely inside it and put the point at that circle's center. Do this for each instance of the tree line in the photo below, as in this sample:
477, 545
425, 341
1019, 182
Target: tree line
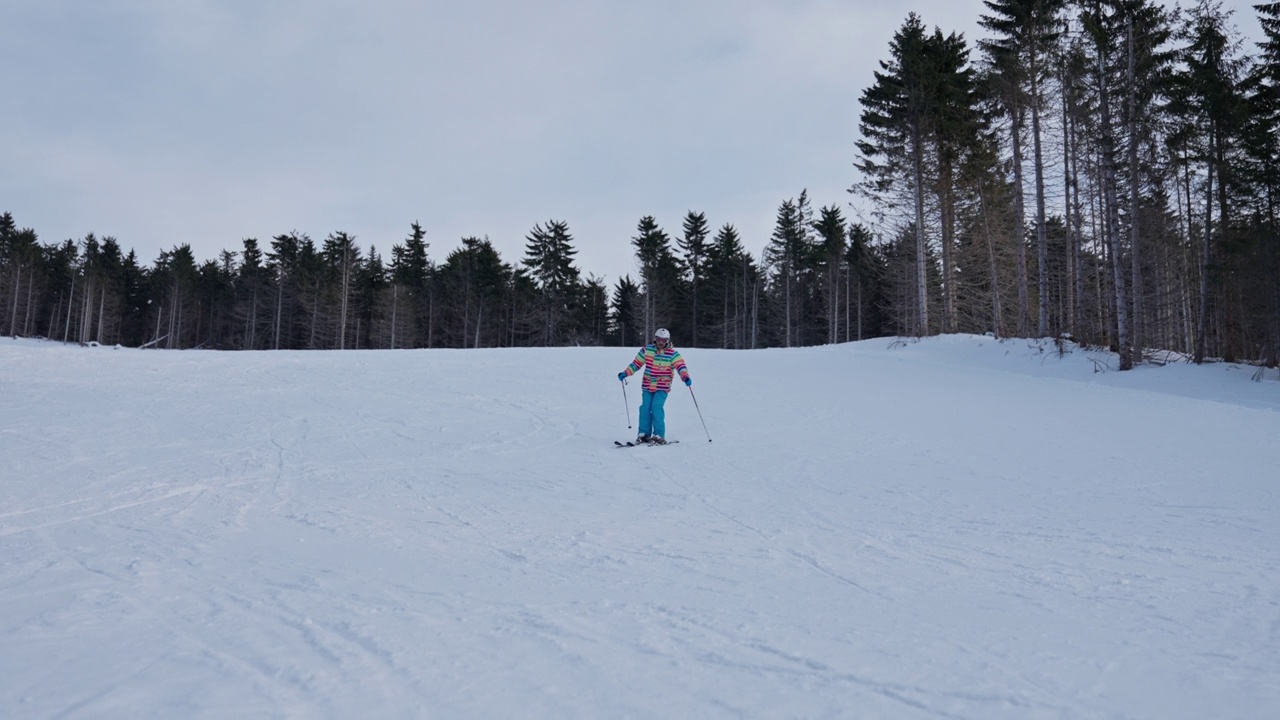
1102, 169
296, 293
1106, 169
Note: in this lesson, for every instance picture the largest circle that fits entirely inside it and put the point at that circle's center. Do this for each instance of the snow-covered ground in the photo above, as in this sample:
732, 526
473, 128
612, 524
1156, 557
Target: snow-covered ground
951, 528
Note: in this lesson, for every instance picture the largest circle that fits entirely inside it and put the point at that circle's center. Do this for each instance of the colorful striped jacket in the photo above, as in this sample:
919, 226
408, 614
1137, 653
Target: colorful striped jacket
658, 367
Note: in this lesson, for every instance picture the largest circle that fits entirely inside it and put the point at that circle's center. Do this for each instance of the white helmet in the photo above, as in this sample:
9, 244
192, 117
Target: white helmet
662, 334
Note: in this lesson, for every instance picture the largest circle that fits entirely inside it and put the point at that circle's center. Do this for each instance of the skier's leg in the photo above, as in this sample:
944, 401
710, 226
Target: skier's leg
658, 403
646, 416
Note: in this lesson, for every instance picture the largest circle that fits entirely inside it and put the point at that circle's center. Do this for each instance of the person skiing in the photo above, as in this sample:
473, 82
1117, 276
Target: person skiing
660, 362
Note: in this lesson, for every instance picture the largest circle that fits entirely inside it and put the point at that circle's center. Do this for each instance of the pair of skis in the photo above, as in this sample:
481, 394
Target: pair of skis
633, 444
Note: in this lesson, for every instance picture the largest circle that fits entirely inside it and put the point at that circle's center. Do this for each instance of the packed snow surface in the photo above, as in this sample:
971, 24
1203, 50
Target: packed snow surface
953, 528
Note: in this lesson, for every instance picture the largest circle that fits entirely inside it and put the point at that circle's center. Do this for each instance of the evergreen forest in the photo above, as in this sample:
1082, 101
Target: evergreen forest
1101, 170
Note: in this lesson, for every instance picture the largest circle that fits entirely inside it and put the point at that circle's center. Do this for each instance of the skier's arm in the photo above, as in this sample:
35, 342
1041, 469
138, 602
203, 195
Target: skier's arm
682, 369
636, 364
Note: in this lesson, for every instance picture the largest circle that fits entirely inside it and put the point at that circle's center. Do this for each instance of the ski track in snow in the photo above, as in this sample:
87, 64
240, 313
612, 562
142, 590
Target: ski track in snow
955, 528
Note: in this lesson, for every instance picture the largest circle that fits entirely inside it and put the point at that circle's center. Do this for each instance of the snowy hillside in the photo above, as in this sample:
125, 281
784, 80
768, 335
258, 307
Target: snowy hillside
954, 528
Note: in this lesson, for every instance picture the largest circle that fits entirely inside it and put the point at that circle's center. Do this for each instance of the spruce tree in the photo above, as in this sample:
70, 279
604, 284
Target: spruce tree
475, 289
830, 228
785, 255
727, 280
895, 126
958, 125
693, 244
1026, 31
625, 317
659, 273
1212, 101
341, 257
549, 257
412, 296
1264, 144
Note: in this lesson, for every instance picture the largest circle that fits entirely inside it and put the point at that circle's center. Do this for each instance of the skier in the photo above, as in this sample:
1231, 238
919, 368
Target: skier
660, 361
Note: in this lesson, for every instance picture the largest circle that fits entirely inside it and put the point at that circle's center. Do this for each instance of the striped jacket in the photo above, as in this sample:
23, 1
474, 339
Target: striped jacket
659, 367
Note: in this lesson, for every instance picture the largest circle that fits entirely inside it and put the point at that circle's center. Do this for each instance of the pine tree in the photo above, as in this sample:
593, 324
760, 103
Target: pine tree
341, 258
295, 267
958, 127
862, 290
830, 229
412, 297
371, 280
625, 319
919, 121
1103, 23
693, 244
787, 254
250, 289
659, 273
590, 312
731, 278
549, 257
175, 274
1026, 31
475, 282
1264, 152
895, 126
19, 264
1212, 101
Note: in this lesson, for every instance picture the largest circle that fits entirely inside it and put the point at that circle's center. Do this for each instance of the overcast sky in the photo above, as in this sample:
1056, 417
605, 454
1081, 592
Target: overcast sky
163, 122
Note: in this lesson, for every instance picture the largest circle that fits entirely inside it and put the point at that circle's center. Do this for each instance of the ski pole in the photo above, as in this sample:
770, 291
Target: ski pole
695, 405
626, 404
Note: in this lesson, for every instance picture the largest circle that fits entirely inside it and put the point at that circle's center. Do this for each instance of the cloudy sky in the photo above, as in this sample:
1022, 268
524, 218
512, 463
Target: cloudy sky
163, 122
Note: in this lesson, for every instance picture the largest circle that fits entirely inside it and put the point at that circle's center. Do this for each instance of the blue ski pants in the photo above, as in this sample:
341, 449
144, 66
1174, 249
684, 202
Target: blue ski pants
653, 418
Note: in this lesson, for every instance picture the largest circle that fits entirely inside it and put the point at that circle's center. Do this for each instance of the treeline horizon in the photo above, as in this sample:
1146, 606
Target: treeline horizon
296, 293
1105, 170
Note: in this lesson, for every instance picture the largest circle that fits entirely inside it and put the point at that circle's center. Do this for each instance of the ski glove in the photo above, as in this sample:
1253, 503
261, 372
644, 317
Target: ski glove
688, 382
622, 376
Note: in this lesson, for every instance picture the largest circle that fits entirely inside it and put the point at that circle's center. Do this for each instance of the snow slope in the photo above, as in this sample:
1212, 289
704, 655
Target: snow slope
951, 528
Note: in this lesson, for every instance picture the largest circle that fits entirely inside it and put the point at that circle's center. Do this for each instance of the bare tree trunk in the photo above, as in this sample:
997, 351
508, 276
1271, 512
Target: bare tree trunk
786, 269
1072, 256
17, 285
253, 320
315, 316
1179, 269
395, 300
1077, 308
833, 295
859, 306
1019, 213
922, 288
346, 292
26, 320
997, 311
1113, 221
175, 315
1042, 248
724, 318
102, 307
86, 309
1202, 328
848, 306
66, 332
279, 310
1134, 235
1096, 211
755, 312
946, 202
